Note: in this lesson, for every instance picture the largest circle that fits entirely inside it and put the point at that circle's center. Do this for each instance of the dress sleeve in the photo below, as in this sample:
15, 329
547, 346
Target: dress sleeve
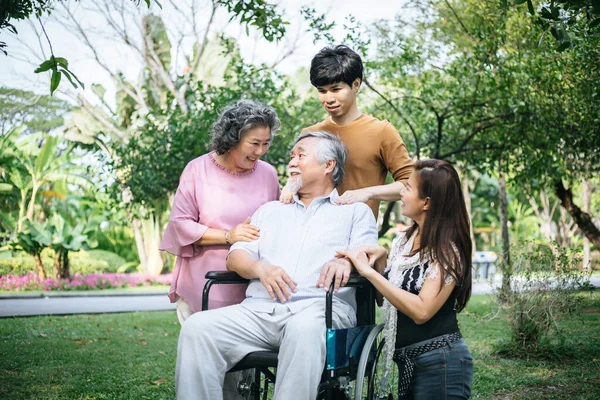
184, 228
394, 154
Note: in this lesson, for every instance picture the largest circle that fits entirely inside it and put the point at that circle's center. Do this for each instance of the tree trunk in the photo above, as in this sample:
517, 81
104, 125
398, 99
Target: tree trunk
57, 264
505, 265
587, 195
467, 197
385, 224
22, 204
139, 244
31, 206
39, 266
582, 219
147, 240
66, 265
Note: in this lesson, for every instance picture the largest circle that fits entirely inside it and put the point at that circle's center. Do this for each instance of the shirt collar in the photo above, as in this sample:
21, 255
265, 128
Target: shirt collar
331, 196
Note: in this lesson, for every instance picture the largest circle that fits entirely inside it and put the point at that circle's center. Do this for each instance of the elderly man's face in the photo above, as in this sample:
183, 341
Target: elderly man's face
304, 168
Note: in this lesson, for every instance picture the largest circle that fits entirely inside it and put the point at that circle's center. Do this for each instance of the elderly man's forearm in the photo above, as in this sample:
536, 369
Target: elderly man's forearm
242, 263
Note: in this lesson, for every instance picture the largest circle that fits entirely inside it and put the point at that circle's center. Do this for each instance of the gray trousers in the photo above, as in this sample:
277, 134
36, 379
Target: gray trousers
212, 342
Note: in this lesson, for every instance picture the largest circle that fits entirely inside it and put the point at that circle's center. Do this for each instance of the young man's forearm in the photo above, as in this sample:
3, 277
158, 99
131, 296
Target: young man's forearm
389, 192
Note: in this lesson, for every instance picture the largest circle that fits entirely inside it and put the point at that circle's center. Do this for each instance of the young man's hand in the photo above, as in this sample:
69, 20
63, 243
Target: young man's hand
354, 196
286, 196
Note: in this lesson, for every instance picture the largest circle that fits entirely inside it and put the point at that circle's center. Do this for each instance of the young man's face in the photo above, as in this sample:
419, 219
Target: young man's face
338, 98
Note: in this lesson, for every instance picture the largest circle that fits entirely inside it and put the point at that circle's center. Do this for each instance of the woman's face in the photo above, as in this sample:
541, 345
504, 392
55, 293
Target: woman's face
250, 148
413, 206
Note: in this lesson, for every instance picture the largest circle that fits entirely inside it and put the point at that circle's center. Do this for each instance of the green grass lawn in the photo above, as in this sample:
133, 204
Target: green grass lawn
132, 356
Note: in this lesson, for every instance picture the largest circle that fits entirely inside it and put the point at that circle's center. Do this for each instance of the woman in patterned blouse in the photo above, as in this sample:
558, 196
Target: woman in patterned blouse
426, 281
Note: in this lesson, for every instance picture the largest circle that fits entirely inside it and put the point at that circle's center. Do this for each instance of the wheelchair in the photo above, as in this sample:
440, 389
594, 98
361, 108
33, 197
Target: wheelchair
355, 359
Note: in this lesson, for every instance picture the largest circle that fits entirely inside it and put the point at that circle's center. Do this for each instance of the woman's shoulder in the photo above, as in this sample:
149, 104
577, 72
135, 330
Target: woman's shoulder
264, 167
201, 161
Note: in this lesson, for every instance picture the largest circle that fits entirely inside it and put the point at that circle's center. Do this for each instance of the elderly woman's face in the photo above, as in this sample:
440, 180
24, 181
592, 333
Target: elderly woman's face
251, 147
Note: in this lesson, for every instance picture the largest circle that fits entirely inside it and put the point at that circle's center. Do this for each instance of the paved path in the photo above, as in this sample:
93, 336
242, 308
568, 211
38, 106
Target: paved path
98, 302
89, 304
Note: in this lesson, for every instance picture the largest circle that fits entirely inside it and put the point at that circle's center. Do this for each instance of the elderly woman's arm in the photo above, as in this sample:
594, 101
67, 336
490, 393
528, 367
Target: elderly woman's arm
243, 232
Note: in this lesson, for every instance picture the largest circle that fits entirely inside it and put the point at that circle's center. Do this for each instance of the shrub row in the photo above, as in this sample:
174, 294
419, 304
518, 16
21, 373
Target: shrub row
82, 262
30, 282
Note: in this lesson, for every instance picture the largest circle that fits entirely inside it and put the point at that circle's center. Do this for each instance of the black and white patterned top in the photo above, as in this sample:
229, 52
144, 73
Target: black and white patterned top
409, 273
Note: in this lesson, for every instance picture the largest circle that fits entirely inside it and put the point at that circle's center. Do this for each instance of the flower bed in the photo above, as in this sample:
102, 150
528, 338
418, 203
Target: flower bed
30, 282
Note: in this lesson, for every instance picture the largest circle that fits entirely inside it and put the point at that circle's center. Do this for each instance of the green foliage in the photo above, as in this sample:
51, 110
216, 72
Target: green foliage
38, 113
118, 240
59, 67
19, 10
81, 264
569, 21
114, 261
540, 292
257, 13
29, 240
154, 29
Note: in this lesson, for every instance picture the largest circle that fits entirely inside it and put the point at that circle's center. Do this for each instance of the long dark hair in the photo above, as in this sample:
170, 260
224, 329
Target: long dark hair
445, 234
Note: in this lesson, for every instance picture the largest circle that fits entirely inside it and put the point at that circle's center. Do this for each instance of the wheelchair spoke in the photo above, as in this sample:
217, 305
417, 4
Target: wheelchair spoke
368, 384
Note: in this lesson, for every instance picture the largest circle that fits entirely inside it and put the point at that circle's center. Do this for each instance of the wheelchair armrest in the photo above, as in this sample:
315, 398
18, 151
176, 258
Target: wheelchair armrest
225, 277
219, 278
356, 280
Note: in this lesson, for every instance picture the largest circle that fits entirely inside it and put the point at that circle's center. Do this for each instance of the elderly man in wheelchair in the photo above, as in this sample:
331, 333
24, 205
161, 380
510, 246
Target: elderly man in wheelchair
291, 269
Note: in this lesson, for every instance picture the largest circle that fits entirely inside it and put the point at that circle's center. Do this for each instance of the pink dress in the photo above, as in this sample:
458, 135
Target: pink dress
209, 196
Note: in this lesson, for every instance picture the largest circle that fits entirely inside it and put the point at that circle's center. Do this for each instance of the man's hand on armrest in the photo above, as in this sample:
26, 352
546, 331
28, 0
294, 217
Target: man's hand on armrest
338, 269
276, 281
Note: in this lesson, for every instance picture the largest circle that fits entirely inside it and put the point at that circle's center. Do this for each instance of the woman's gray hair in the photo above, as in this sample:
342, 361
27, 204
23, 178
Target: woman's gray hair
330, 147
237, 119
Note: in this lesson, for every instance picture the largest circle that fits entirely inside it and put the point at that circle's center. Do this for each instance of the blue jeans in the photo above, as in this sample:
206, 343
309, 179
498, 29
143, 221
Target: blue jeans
444, 373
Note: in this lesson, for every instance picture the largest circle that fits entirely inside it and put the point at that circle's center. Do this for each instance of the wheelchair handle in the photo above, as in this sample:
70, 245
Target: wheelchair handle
355, 280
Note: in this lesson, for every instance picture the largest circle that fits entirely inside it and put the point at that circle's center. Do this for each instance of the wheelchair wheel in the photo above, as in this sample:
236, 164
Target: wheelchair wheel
370, 370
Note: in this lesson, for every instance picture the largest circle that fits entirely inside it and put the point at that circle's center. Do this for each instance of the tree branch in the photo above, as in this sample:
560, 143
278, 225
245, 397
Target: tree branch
458, 18
583, 220
401, 115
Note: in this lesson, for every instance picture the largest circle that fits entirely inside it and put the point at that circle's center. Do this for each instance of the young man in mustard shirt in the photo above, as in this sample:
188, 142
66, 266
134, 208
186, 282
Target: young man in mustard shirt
374, 146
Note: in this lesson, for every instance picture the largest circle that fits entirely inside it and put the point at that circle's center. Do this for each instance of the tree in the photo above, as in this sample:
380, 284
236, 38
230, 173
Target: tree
165, 92
568, 21
256, 13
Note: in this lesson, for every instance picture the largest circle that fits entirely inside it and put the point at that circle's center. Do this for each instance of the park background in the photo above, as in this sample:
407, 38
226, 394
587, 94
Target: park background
508, 91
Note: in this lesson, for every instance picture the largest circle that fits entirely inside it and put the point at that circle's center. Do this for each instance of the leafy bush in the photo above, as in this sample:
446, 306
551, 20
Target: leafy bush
81, 263
113, 260
541, 284
118, 240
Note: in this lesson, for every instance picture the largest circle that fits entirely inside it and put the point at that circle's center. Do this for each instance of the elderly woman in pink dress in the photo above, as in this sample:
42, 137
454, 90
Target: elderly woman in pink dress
216, 195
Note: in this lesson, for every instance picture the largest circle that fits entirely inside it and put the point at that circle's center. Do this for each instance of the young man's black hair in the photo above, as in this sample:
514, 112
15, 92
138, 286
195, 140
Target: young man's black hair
335, 64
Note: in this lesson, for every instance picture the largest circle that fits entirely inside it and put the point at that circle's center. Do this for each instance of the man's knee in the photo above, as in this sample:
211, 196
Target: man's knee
197, 326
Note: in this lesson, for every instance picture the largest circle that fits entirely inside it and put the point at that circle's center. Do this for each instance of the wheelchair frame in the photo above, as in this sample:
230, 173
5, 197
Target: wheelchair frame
336, 383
